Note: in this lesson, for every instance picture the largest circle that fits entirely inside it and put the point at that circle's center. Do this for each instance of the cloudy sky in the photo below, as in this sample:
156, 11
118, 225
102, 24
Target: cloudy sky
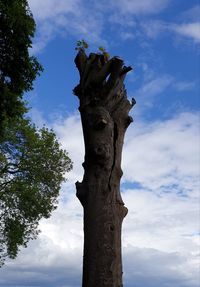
161, 156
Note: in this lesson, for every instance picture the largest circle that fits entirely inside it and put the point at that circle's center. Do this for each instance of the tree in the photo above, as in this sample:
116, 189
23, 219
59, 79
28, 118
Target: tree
18, 69
32, 167
32, 162
104, 109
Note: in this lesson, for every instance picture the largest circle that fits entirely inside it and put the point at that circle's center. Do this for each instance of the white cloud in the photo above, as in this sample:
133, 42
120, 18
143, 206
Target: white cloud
156, 28
152, 268
167, 222
51, 8
155, 86
139, 7
69, 132
153, 28
164, 154
46, 13
64, 17
37, 117
68, 18
184, 86
88, 19
190, 30
193, 14
122, 20
160, 231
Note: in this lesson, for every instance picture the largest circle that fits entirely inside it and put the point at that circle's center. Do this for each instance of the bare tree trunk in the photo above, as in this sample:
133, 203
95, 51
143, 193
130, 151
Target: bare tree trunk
104, 109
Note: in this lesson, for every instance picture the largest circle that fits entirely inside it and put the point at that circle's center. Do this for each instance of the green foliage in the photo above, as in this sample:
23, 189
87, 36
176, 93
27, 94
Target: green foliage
32, 167
32, 163
104, 53
81, 45
18, 69
102, 49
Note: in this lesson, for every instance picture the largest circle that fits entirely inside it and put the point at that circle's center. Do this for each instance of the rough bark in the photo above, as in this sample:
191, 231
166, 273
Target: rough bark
104, 109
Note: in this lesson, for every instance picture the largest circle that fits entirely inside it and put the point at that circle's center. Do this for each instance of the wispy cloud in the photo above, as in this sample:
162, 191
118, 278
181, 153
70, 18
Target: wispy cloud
155, 29
88, 19
64, 17
154, 87
192, 14
189, 30
125, 12
184, 86
142, 7
91, 19
49, 9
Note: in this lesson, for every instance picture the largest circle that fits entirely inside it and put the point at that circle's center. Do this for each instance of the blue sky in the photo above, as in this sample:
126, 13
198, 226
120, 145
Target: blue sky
160, 39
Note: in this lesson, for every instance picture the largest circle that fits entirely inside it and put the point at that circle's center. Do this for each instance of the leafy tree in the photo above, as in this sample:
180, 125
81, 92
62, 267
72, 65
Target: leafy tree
32, 163
18, 69
32, 167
